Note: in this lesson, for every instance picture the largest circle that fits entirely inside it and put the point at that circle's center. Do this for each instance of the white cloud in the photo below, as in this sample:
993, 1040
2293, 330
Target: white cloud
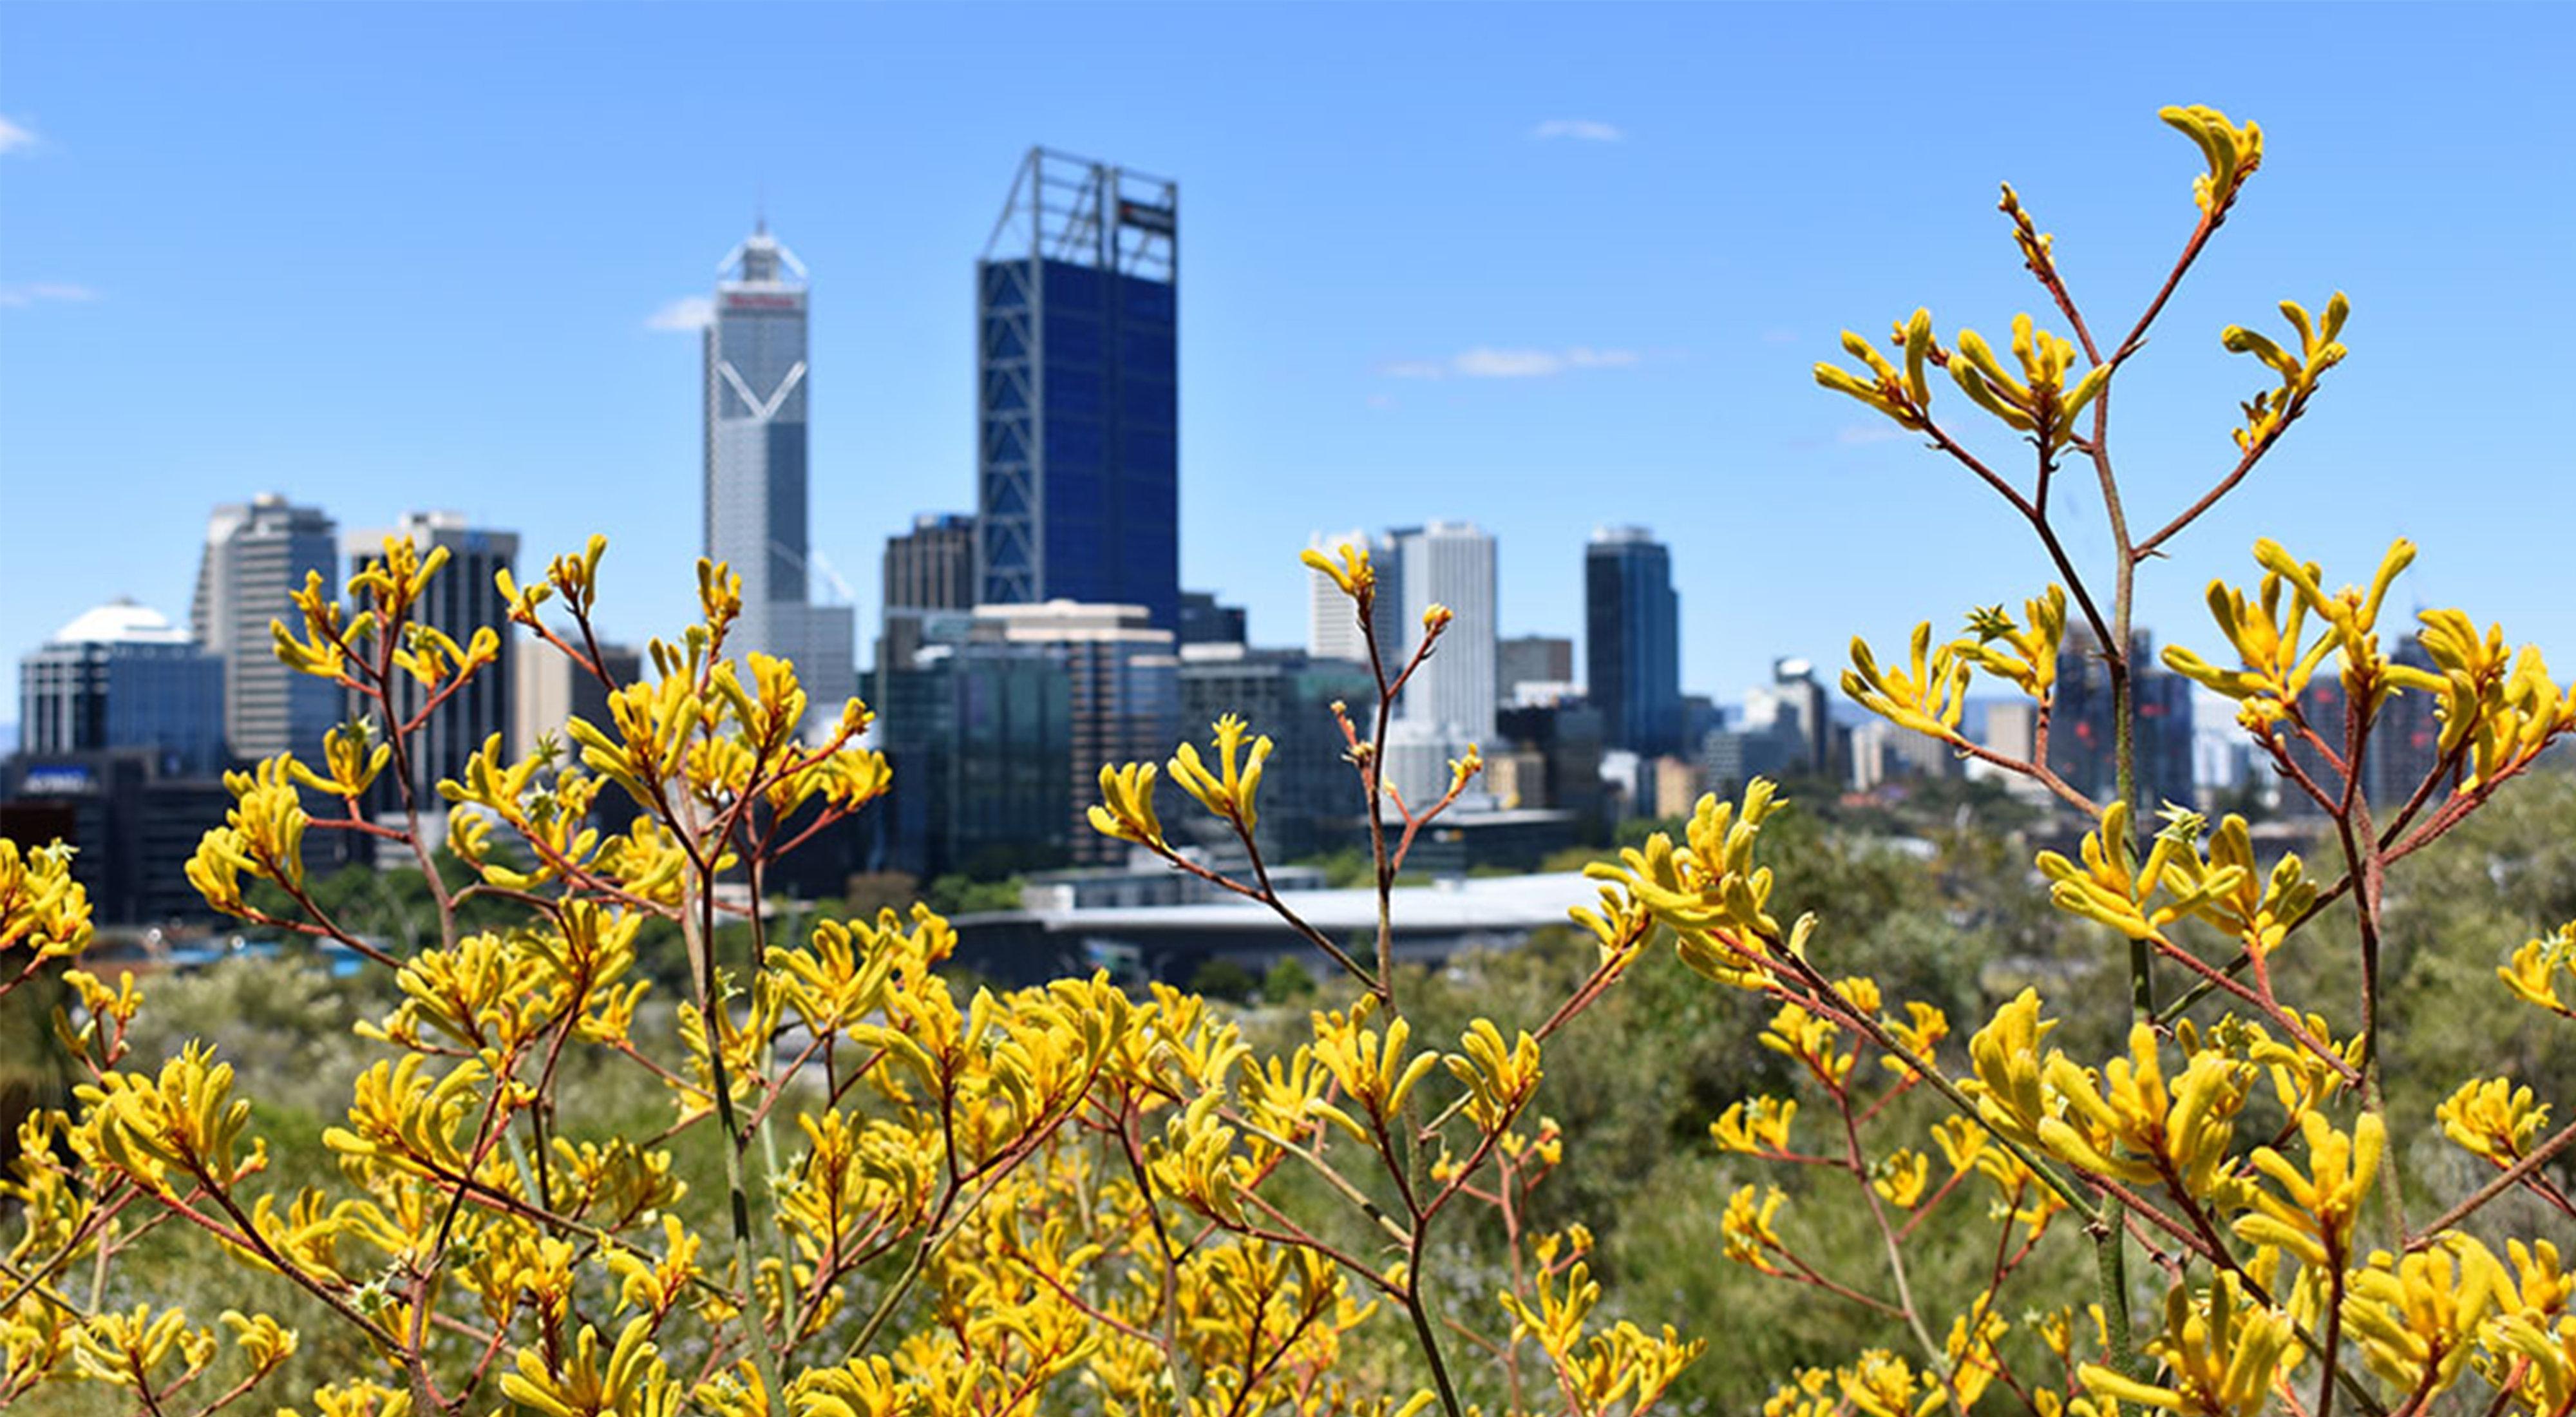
13, 137
689, 312
1489, 362
45, 291
1586, 130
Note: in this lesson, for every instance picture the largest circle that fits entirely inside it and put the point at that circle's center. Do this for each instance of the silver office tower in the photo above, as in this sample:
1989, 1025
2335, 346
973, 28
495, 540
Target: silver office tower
756, 384
257, 555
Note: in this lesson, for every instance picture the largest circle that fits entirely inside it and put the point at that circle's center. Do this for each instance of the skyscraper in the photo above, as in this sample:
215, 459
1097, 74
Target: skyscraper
122, 676
932, 566
257, 553
1333, 630
1077, 402
1451, 564
2404, 749
460, 600
1632, 638
981, 739
756, 384
1449, 703
1796, 714
929, 576
2083, 737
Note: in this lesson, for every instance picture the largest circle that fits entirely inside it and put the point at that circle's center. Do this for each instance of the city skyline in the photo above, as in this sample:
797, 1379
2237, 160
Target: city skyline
1643, 365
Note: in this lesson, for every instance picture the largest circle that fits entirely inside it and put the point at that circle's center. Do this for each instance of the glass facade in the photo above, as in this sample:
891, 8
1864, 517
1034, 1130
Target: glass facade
164, 697
1310, 795
756, 411
459, 601
2083, 744
135, 827
981, 739
756, 471
1632, 639
1078, 411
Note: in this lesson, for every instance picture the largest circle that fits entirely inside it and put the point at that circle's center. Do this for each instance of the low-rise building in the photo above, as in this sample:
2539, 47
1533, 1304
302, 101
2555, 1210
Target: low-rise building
122, 676
1310, 799
133, 826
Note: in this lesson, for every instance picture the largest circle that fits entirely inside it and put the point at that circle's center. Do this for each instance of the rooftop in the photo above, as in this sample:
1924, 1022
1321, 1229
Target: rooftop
1499, 902
121, 622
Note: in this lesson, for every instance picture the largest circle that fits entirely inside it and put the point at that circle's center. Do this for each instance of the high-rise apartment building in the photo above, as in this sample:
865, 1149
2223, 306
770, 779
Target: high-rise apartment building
1333, 627
257, 554
460, 600
2405, 741
756, 474
123, 676
1077, 390
2083, 737
1632, 629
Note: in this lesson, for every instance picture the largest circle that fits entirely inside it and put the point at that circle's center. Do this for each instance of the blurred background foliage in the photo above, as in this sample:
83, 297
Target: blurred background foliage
1933, 897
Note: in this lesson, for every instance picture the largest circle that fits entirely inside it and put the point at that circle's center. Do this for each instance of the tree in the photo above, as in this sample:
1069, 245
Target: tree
940, 1199
1221, 978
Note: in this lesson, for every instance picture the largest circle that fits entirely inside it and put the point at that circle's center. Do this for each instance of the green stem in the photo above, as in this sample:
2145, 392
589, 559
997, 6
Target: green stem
700, 921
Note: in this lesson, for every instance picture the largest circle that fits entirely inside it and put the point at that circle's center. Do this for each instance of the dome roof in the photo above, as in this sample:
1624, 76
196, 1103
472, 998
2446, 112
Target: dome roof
121, 621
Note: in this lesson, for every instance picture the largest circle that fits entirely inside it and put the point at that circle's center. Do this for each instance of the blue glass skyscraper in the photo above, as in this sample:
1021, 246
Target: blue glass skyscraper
1632, 639
1077, 400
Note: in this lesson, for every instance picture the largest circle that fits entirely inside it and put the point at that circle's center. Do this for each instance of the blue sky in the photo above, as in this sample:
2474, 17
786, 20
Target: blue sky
1542, 267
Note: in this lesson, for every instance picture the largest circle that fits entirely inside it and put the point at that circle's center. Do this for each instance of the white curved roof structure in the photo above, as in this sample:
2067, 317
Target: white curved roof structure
121, 622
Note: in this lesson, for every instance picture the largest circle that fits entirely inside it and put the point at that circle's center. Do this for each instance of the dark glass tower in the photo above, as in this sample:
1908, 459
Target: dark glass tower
463, 599
1632, 639
2083, 743
1077, 401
